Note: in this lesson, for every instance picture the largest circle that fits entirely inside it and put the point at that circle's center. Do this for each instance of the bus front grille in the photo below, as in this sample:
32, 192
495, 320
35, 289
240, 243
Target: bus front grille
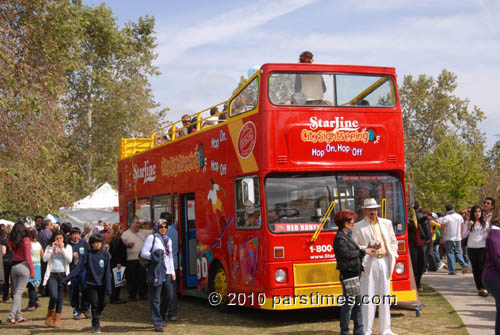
315, 274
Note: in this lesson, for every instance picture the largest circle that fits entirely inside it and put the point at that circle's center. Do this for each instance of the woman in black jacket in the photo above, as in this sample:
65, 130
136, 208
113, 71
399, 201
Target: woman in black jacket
349, 263
118, 252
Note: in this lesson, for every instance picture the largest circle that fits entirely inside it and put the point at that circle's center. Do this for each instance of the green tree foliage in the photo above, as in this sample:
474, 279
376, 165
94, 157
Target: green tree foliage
452, 173
431, 111
443, 143
109, 94
492, 167
37, 40
72, 83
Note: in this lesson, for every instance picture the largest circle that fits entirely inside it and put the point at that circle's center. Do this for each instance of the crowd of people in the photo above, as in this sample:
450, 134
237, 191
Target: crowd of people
366, 252
468, 237
47, 257
459, 236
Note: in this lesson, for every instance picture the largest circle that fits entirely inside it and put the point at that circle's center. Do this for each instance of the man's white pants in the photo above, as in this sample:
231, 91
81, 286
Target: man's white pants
377, 282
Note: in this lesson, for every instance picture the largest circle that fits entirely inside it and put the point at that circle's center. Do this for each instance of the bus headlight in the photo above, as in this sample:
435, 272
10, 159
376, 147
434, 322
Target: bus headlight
280, 275
400, 268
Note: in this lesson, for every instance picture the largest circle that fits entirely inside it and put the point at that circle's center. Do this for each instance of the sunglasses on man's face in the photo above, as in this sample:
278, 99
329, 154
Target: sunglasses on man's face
162, 226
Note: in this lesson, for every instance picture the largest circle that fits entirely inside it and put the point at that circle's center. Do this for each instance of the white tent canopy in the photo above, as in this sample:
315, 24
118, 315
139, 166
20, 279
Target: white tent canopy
100, 205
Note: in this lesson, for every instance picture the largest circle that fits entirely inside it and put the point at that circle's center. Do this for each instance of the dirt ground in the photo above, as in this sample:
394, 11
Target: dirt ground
196, 316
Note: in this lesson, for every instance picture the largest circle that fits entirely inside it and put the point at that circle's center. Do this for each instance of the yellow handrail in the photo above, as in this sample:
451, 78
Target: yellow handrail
323, 221
132, 146
368, 90
384, 208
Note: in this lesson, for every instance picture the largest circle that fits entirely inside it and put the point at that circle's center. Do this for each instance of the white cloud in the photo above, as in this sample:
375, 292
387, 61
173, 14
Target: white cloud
416, 38
224, 26
385, 5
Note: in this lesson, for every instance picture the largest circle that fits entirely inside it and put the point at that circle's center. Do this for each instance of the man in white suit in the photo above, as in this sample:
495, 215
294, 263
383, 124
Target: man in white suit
375, 280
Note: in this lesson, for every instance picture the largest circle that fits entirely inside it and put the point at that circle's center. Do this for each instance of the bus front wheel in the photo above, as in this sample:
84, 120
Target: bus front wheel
218, 283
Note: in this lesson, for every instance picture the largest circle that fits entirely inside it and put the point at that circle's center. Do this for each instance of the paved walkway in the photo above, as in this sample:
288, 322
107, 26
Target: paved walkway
477, 313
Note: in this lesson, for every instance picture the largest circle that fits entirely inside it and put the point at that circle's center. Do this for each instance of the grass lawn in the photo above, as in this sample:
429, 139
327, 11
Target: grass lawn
196, 316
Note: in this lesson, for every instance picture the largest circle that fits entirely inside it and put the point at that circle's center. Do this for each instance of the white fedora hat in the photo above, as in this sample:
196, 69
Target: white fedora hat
370, 203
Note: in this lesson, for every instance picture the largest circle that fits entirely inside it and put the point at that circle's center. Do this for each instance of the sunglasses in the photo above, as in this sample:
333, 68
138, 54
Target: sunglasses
162, 226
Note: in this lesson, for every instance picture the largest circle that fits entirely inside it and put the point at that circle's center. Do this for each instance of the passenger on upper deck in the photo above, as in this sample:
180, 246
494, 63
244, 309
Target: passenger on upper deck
212, 120
186, 122
193, 126
309, 88
223, 115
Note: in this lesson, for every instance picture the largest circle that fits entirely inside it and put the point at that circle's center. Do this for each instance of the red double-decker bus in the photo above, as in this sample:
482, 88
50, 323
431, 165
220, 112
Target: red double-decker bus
249, 181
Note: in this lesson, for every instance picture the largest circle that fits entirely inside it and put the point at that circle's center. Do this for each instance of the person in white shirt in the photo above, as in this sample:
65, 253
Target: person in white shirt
133, 238
157, 249
375, 232
309, 88
452, 235
477, 230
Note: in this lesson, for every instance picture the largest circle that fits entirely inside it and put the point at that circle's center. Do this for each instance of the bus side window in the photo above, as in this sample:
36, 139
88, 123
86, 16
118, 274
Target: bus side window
143, 212
161, 204
247, 99
248, 203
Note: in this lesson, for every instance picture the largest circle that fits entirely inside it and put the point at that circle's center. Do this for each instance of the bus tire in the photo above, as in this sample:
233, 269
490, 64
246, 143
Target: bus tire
218, 284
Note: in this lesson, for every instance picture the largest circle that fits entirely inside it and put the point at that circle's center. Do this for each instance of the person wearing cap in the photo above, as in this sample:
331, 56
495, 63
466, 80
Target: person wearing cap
374, 231
157, 249
77, 292
100, 225
96, 264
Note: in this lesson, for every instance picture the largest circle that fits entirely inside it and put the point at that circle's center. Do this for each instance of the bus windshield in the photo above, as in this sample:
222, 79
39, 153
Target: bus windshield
329, 89
297, 203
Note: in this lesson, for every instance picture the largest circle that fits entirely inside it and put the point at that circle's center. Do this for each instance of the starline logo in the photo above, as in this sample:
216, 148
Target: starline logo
337, 124
148, 172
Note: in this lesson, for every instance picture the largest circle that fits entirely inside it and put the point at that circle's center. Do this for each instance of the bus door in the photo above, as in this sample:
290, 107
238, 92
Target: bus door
189, 239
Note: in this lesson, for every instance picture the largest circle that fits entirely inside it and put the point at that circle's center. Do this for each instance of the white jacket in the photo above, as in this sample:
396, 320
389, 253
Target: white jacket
47, 257
363, 235
158, 244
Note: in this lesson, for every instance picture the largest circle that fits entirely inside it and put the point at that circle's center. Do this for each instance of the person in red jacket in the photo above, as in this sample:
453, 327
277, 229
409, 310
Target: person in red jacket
22, 268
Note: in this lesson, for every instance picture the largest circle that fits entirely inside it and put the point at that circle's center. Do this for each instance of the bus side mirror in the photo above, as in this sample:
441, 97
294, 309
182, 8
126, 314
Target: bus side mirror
248, 191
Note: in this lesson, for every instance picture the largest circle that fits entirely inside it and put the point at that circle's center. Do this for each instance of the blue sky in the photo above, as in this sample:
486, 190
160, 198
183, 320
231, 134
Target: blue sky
204, 46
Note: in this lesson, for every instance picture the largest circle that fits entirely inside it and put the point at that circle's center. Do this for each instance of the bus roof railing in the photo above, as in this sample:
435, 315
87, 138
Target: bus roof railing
204, 119
174, 130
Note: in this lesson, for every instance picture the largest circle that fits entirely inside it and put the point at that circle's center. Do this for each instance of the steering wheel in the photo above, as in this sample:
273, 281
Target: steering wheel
287, 212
